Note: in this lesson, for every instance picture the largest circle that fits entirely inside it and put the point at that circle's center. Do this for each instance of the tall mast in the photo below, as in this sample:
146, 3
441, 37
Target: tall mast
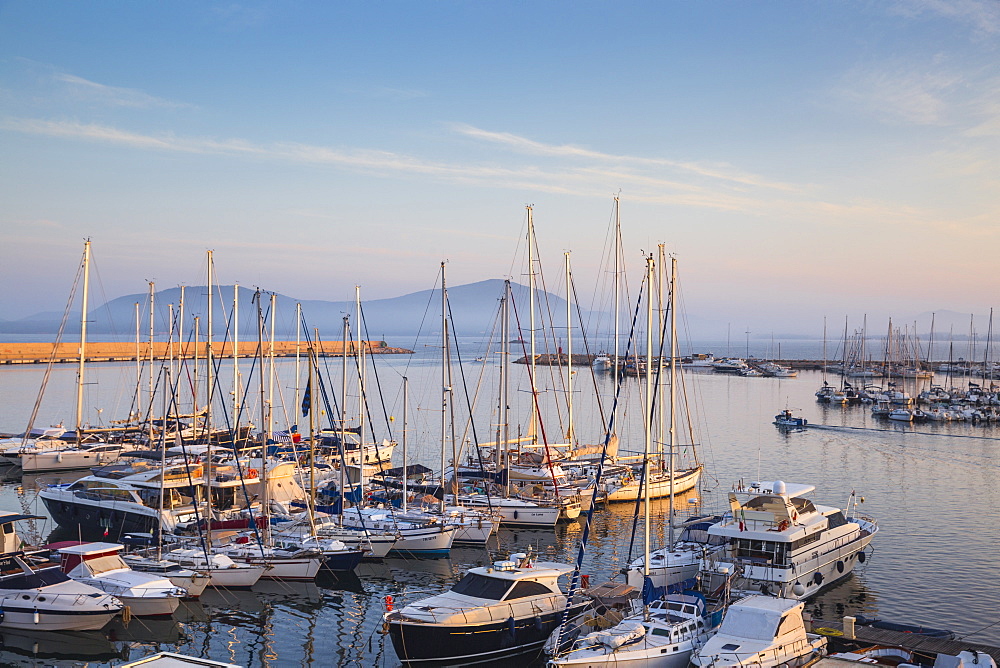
180, 336
618, 238
673, 390
270, 375
265, 501
570, 436
505, 389
149, 403
312, 442
406, 400
298, 346
661, 288
138, 359
83, 340
445, 388
343, 417
360, 352
531, 320
647, 420
236, 357
209, 360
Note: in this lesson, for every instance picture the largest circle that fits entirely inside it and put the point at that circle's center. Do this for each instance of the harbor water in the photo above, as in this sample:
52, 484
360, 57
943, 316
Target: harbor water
933, 487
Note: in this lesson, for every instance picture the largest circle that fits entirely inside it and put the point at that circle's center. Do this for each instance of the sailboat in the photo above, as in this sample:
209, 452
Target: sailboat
287, 558
679, 561
665, 631
664, 479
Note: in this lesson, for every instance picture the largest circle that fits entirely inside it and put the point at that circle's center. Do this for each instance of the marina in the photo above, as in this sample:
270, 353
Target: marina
894, 466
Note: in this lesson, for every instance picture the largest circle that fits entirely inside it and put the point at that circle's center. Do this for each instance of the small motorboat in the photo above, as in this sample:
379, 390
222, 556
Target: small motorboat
762, 631
785, 420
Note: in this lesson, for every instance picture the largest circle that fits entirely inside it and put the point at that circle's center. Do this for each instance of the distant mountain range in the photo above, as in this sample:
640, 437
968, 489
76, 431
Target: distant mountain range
474, 308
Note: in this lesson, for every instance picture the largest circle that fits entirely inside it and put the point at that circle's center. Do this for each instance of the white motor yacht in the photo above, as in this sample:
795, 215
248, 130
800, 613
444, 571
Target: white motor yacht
36, 595
764, 632
664, 638
99, 565
498, 611
779, 543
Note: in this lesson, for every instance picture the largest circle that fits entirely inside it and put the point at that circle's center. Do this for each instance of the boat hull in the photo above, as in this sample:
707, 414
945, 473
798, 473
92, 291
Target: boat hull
432, 644
659, 486
54, 620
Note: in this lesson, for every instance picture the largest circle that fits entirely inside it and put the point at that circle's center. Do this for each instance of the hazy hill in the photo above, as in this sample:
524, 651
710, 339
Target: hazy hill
474, 307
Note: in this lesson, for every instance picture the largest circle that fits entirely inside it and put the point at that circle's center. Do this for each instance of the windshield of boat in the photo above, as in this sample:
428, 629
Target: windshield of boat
526, 588
481, 587
108, 562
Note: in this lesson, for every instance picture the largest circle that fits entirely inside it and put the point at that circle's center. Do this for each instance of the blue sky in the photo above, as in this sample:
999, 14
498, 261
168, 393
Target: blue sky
801, 159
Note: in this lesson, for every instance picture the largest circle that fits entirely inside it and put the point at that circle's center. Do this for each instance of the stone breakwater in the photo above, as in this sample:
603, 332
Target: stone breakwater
41, 353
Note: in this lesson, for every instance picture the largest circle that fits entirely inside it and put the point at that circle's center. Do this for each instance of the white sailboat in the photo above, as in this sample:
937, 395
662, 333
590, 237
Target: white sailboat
665, 632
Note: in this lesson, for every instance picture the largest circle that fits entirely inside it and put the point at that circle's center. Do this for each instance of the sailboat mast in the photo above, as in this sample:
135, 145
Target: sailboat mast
298, 347
673, 391
360, 357
341, 464
152, 311
271, 373
209, 360
444, 380
406, 401
531, 320
83, 340
617, 290
505, 390
647, 420
312, 442
265, 501
570, 436
236, 357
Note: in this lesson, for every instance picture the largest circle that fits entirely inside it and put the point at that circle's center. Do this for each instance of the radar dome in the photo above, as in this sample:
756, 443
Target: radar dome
778, 487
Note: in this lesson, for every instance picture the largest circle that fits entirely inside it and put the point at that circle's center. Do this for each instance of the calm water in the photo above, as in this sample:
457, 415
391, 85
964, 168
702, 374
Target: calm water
933, 488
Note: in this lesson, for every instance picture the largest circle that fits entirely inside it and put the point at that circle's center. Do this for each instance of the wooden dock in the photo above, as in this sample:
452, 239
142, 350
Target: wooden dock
866, 636
41, 353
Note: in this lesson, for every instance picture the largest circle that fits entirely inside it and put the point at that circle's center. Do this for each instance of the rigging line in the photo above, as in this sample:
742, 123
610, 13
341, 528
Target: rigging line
52, 356
586, 347
988, 626
319, 377
536, 407
469, 405
420, 327
378, 386
581, 552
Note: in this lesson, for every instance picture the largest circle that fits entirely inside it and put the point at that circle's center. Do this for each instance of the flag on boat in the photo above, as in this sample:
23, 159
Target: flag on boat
307, 399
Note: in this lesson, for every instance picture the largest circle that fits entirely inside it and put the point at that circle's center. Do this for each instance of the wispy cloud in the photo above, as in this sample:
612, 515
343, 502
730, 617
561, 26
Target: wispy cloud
580, 172
112, 95
899, 93
532, 147
982, 15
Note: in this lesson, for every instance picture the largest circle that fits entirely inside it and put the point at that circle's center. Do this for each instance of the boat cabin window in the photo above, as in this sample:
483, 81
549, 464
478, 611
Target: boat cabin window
526, 588
763, 551
836, 519
8, 528
109, 562
481, 587
802, 542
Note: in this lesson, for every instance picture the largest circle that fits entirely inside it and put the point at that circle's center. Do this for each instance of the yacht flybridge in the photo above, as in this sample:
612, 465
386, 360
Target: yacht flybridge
780, 543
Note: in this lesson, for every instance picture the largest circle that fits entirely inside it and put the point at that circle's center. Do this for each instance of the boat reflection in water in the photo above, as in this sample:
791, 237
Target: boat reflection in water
74, 646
